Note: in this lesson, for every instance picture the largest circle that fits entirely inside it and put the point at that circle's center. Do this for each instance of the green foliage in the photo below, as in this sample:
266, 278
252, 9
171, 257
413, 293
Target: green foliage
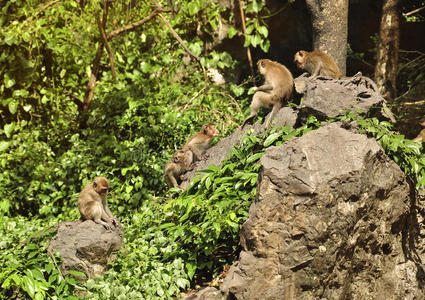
406, 153
256, 28
26, 268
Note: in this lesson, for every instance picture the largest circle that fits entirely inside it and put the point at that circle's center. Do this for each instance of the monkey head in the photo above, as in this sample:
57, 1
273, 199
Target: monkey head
179, 157
262, 65
210, 130
299, 58
101, 186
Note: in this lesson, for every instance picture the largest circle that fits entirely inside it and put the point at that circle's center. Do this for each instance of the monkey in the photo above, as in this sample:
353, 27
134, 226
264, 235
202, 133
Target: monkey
200, 142
179, 163
317, 63
421, 135
92, 203
278, 86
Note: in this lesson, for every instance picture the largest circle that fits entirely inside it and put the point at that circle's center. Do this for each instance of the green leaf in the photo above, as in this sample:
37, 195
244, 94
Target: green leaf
193, 8
8, 129
263, 30
77, 273
13, 107
271, 139
231, 32
254, 157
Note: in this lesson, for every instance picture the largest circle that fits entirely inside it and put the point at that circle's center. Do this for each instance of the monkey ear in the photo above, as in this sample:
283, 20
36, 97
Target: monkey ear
94, 184
263, 64
300, 53
176, 159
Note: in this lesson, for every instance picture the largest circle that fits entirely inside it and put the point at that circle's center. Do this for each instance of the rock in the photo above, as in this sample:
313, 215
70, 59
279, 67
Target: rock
86, 246
328, 98
215, 155
326, 224
331, 220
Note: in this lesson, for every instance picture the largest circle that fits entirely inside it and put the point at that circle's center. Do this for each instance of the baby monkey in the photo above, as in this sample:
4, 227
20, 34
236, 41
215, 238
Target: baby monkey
200, 142
92, 203
179, 163
317, 63
277, 87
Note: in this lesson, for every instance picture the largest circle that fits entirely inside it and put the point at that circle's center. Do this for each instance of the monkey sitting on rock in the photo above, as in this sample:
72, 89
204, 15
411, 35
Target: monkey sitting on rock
92, 203
193, 150
277, 87
179, 163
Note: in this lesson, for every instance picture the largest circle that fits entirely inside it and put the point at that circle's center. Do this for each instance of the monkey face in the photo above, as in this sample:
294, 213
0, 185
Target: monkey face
210, 130
261, 64
299, 59
101, 186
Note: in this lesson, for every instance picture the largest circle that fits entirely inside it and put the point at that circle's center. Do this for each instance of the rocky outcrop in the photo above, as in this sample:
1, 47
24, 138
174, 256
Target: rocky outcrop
326, 225
334, 217
86, 246
328, 98
329, 222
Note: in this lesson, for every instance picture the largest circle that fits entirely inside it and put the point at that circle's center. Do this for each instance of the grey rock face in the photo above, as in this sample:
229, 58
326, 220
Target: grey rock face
327, 98
326, 224
86, 246
331, 221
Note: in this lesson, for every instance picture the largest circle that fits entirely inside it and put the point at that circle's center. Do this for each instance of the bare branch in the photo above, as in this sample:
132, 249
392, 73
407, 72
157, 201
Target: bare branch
105, 41
135, 24
248, 50
179, 39
413, 11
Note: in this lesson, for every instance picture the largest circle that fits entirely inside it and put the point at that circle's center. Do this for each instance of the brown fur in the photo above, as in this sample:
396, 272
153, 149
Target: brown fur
200, 142
277, 87
179, 164
92, 203
317, 63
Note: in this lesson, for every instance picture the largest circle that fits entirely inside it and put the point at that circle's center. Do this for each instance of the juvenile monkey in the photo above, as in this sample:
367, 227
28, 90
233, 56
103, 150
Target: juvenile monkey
92, 203
179, 163
421, 135
200, 142
278, 86
317, 63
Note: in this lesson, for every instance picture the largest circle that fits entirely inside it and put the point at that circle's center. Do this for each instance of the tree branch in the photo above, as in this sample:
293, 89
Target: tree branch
134, 25
105, 41
413, 11
248, 50
179, 39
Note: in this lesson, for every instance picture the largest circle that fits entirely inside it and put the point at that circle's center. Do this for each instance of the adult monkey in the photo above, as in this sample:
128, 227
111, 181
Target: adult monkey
277, 87
92, 203
317, 63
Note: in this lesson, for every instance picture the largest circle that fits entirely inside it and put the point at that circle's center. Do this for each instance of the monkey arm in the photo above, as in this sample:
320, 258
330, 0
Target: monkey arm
264, 88
316, 70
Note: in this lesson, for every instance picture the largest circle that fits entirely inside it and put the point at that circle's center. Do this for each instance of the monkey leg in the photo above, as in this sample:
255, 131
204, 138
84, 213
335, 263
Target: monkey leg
171, 181
97, 215
278, 105
260, 99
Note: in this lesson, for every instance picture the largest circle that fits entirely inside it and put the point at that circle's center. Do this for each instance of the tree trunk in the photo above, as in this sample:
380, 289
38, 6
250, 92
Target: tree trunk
330, 28
387, 56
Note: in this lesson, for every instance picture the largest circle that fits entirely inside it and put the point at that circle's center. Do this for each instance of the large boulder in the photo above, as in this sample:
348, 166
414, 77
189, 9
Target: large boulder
327, 98
329, 222
86, 246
